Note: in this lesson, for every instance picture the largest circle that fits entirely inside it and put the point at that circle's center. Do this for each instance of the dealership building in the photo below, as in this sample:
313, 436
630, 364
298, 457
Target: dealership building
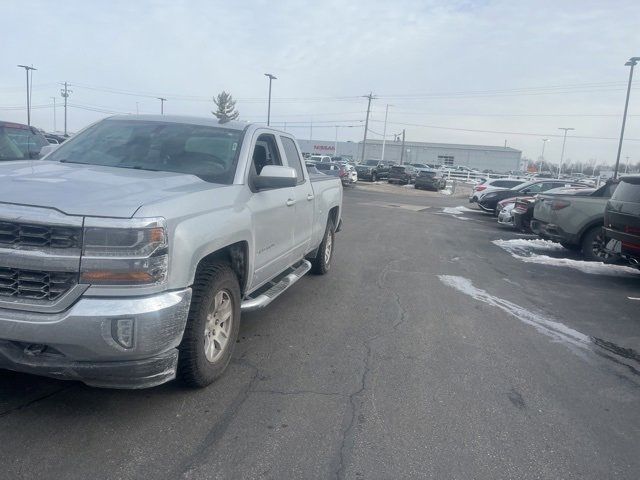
479, 157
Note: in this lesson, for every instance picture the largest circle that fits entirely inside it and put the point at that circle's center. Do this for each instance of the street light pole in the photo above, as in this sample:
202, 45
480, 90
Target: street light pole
366, 125
566, 129
335, 148
384, 132
162, 100
271, 78
633, 61
27, 68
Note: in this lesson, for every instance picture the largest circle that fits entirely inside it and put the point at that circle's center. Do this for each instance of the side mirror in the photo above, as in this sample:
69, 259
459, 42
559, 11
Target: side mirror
275, 176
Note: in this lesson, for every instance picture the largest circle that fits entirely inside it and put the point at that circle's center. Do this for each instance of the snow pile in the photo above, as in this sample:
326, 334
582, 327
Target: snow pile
523, 250
446, 191
456, 210
409, 186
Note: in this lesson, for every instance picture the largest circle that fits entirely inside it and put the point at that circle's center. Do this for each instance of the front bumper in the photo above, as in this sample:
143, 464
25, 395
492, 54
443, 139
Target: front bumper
505, 218
82, 342
550, 231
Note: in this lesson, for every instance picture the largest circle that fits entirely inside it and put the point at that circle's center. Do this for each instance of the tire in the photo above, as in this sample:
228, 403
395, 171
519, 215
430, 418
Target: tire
199, 366
374, 177
571, 246
321, 264
591, 245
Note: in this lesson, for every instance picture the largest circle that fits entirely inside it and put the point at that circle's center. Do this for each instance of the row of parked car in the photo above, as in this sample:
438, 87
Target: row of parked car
602, 223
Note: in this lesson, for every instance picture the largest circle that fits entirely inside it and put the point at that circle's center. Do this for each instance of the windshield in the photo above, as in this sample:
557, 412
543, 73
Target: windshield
207, 152
371, 163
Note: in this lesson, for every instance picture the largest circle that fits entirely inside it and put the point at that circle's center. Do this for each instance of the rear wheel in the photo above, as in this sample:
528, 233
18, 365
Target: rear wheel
212, 327
592, 245
322, 261
374, 177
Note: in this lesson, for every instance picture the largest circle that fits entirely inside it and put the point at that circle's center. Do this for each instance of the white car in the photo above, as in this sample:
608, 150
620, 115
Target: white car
505, 217
492, 185
320, 158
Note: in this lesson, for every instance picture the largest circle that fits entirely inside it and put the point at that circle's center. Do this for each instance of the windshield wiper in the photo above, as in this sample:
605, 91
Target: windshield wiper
135, 167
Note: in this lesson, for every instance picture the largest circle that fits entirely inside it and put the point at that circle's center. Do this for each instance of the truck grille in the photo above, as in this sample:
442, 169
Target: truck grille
35, 285
18, 235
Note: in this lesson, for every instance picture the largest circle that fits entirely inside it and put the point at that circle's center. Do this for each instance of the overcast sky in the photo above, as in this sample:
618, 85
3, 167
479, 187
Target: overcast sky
506, 70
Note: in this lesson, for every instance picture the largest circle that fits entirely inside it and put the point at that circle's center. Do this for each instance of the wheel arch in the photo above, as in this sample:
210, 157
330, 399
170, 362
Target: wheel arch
237, 255
589, 226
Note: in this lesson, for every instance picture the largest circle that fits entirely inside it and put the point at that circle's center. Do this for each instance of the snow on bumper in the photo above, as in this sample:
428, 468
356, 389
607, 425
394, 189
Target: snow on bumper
105, 342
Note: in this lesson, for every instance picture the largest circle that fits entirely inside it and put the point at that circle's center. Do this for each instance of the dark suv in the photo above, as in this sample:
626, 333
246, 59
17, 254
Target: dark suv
622, 221
430, 180
403, 174
374, 169
20, 142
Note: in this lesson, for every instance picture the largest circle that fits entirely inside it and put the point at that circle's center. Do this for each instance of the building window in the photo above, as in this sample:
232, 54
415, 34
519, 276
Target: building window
445, 160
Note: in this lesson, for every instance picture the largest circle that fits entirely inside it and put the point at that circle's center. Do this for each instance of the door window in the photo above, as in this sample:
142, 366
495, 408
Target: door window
265, 152
292, 156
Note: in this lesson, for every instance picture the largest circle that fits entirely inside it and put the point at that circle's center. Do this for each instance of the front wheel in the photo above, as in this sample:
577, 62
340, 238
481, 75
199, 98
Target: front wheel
321, 264
374, 177
212, 327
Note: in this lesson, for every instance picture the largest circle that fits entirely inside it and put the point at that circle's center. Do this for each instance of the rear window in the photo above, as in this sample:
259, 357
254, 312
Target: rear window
628, 191
397, 169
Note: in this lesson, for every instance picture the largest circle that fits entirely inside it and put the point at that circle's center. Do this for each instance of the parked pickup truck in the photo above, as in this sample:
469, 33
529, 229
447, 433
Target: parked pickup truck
127, 254
573, 220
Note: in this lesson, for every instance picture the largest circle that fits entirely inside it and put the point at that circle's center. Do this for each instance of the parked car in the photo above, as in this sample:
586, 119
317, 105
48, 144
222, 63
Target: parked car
430, 180
20, 142
574, 221
402, 174
127, 278
374, 170
522, 212
311, 167
493, 185
336, 170
320, 158
622, 221
505, 215
489, 201
55, 138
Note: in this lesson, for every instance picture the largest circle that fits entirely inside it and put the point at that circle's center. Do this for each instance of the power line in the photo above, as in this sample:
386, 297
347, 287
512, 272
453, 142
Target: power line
439, 127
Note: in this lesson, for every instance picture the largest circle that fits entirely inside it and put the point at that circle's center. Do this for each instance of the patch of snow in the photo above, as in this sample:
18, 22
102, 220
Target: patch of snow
456, 210
556, 330
409, 186
523, 250
446, 191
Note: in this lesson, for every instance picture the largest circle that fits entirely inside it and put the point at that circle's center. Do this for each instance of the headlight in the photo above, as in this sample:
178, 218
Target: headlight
124, 252
490, 195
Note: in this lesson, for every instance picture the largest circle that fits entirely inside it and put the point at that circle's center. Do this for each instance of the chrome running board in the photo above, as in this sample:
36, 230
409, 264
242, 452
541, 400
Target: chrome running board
275, 289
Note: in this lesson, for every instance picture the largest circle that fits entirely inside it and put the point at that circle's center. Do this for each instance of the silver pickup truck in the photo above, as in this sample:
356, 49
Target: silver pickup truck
127, 254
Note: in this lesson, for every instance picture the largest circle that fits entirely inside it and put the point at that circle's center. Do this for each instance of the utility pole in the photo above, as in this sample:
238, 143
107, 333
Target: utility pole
137, 108
633, 61
566, 129
310, 130
544, 143
384, 132
271, 78
28, 69
65, 92
54, 113
162, 100
366, 124
626, 168
402, 151
335, 148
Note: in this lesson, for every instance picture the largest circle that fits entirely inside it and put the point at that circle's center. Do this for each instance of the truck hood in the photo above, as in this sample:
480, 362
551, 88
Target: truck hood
90, 190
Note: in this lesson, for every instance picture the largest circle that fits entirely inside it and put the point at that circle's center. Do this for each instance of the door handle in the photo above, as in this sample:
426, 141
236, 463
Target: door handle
291, 202
310, 197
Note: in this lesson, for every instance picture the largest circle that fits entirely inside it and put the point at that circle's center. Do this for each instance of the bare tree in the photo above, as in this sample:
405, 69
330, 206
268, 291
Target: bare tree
226, 107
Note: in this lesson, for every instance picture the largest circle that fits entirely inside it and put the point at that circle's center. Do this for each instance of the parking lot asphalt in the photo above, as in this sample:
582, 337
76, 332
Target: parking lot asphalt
427, 352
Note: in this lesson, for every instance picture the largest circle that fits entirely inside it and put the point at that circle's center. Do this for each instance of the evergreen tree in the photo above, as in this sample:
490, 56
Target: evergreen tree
226, 107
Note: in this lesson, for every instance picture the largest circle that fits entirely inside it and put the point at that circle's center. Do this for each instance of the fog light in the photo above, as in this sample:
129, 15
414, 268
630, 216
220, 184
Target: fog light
122, 331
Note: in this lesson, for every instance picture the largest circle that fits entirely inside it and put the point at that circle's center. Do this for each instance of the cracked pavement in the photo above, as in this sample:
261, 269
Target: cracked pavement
377, 370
